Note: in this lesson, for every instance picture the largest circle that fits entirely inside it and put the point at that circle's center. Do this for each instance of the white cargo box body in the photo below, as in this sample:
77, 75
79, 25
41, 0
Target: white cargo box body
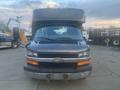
59, 14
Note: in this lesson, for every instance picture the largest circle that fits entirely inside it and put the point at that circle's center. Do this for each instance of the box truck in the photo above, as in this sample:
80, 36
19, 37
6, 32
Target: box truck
58, 50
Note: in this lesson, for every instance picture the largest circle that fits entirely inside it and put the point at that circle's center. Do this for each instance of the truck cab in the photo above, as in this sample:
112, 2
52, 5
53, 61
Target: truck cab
58, 50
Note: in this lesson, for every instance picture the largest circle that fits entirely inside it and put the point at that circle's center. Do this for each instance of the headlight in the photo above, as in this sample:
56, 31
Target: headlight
32, 54
84, 54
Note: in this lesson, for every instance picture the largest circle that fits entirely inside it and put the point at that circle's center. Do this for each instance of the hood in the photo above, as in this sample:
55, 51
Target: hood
59, 47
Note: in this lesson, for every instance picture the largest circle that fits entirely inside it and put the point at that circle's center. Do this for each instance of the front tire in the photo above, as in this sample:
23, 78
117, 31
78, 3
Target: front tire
116, 42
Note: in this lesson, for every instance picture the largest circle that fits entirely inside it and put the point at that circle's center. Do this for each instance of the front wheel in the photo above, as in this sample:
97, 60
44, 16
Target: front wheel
116, 42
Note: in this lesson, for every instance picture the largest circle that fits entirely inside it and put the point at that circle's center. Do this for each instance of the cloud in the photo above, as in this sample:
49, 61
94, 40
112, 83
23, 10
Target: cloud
50, 4
104, 9
23, 8
6, 8
95, 10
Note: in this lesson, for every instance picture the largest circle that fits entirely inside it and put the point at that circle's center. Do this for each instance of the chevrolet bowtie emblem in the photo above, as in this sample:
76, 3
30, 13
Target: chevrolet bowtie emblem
57, 60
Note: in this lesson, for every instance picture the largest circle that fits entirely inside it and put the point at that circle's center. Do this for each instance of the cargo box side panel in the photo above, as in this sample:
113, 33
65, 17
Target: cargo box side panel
59, 14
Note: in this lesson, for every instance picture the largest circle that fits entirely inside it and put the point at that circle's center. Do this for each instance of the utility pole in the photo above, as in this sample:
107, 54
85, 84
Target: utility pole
16, 20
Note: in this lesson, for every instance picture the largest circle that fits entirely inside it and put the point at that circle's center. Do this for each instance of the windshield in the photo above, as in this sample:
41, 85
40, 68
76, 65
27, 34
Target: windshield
58, 33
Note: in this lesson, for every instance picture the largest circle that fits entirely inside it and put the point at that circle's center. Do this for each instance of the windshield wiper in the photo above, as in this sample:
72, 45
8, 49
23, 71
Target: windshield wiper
67, 38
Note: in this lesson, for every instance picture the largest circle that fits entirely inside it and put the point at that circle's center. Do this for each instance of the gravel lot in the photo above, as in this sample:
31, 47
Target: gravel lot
105, 75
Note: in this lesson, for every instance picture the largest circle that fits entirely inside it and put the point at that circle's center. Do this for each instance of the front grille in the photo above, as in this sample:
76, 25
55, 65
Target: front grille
52, 67
56, 65
54, 55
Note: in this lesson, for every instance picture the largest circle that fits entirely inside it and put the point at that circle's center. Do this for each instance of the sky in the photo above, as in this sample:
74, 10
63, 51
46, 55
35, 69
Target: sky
99, 13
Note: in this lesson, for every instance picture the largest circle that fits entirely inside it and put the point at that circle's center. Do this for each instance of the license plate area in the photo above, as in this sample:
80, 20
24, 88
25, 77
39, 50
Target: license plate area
58, 76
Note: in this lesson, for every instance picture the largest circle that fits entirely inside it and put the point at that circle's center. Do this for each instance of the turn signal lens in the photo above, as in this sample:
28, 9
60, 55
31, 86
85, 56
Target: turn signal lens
81, 63
32, 62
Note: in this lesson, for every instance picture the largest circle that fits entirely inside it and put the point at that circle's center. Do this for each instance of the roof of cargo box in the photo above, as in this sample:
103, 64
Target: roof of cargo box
58, 14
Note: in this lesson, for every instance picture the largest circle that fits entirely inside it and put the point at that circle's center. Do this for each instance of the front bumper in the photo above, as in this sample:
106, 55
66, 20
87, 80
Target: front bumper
61, 73
58, 76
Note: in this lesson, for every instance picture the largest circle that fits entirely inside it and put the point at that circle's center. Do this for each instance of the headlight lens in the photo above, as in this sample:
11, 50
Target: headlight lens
84, 54
32, 54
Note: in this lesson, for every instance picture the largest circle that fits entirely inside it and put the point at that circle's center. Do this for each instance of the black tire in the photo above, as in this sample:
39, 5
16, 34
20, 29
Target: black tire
116, 42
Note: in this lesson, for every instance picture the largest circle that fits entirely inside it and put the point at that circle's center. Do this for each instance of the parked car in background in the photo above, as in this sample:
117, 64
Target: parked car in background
7, 41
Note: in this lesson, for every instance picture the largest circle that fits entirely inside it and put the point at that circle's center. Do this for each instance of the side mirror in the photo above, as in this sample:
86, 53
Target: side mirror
85, 35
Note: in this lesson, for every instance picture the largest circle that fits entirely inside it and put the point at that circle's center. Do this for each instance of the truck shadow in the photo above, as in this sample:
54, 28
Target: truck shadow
9, 48
60, 85
115, 48
5, 48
